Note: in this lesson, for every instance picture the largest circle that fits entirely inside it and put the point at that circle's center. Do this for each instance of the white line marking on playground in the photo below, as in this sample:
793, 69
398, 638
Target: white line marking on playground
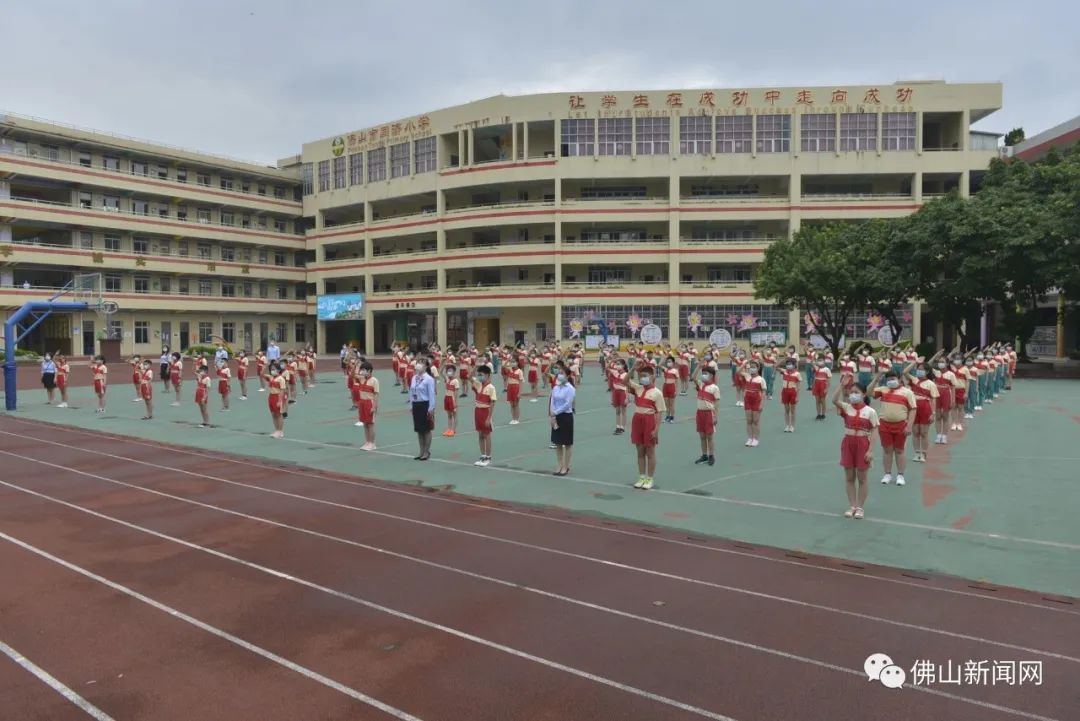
555, 665
49, 680
519, 544
439, 499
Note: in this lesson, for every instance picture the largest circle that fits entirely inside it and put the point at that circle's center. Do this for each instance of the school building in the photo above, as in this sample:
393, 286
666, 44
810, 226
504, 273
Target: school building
551, 216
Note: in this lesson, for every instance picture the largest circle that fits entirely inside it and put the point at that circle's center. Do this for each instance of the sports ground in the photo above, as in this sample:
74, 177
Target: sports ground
303, 578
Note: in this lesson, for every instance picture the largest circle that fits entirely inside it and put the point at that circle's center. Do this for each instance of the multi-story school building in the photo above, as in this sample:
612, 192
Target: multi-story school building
533, 217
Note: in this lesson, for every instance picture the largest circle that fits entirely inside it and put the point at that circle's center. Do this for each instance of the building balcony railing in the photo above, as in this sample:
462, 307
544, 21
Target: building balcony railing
735, 199
397, 217
855, 197
382, 293
172, 254
579, 242
648, 201
717, 285
748, 242
37, 291
500, 287
613, 285
506, 205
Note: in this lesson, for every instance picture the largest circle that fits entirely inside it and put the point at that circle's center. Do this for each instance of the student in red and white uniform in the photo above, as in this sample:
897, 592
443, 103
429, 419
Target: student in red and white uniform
484, 413
738, 378
899, 409
769, 360
290, 372
960, 384
136, 377
946, 383
301, 363
848, 368
670, 387
278, 397
790, 381
683, 364
856, 450
926, 393
202, 395
513, 390
367, 386
101, 373
546, 359
395, 363
242, 362
708, 403
866, 366
176, 370
465, 371
450, 402
754, 389
619, 387
224, 375
146, 387
260, 369
645, 426
63, 370
822, 377
313, 362
534, 375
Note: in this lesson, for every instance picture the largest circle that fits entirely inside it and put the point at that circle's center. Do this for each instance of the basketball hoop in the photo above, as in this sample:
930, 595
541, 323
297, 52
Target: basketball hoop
106, 308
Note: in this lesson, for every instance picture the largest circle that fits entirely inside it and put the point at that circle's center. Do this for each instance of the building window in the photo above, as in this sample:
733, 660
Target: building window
577, 137
424, 155
339, 172
261, 188
227, 218
245, 186
399, 160
356, 169
248, 288
165, 285
730, 274
735, 319
898, 131
858, 131
162, 172
112, 242
111, 203
140, 207
279, 225
86, 240
113, 283
86, 160
163, 247
611, 192
141, 246
616, 136
204, 251
264, 290
615, 316
206, 287
228, 331
228, 253
228, 289
203, 214
695, 135
183, 286
282, 335
182, 248
279, 257
653, 136
181, 212
263, 256
306, 178
818, 133
226, 183
86, 200
279, 192
773, 133
282, 292
206, 331
376, 165
301, 333
110, 163
116, 329
324, 176
202, 179
140, 167
734, 133
181, 175
142, 284
163, 211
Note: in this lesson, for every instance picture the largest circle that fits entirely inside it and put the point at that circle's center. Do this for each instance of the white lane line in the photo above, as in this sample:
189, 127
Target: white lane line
269, 655
510, 511
555, 665
515, 652
529, 546
49, 680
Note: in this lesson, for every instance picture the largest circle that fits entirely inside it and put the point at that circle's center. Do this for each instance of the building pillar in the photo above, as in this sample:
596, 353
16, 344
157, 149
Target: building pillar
1060, 352
916, 187
513, 142
320, 334
939, 335
916, 322
918, 133
440, 325
965, 184
965, 130
463, 157
470, 134
525, 141
5, 234
674, 262
795, 328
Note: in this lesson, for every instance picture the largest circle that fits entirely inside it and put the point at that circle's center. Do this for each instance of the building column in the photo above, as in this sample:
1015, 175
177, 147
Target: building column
525, 141
916, 187
470, 134
916, 322
674, 271
795, 328
513, 142
918, 133
320, 332
965, 184
795, 204
440, 325
965, 130
462, 155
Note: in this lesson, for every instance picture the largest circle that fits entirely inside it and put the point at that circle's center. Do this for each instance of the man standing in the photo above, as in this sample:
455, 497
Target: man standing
221, 356
273, 353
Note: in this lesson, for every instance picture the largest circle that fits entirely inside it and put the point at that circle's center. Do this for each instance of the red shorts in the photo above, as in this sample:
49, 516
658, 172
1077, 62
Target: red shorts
147, 392
513, 392
642, 427
789, 396
241, 374
669, 390
303, 373
892, 434
740, 382
853, 452
61, 382
136, 380
961, 396
449, 402
944, 402
223, 387
618, 398
175, 380
534, 377
355, 393
201, 396
463, 374
684, 373
481, 416
821, 388
366, 409
752, 401
924, 412
275, 404
704, 421
99, 387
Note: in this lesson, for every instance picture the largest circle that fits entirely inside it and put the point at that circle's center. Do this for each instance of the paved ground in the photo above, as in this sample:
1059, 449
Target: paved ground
994, 506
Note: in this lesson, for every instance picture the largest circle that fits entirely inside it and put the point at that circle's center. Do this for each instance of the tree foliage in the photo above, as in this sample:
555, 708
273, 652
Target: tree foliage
1014, 137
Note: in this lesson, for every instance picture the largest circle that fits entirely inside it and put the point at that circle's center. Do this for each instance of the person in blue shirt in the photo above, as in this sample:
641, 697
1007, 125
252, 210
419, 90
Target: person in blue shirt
273, 353
561, 414
422, 399
48, 376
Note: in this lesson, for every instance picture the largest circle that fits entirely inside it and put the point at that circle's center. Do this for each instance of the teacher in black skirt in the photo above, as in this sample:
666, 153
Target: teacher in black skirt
561, 413
48, 376
422, 399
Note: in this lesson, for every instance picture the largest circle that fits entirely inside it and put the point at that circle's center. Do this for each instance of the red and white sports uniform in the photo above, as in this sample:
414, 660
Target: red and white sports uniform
279, 394
176, 369
847, 374
485, 399
101, 373
671, 382
684, 366
945, 382
450, 402
202, 390
242, 367
513, 385
896, 404
753, 392
534, 369
146, 384
789, 392
925, 392
136, 374
859, 421
62, 370
707, 398
224, 376
648, 404
618, 388
367, 393
822, 375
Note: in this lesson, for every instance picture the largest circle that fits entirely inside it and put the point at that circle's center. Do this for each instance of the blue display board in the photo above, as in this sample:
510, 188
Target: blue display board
344, 306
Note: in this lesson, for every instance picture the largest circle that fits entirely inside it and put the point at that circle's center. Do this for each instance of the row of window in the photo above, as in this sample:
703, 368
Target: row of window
204, 251
138, 206
735, 134
206, 331
332, 173
165, 285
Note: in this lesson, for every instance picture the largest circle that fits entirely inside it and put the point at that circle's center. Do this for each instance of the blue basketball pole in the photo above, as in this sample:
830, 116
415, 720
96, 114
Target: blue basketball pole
14, 332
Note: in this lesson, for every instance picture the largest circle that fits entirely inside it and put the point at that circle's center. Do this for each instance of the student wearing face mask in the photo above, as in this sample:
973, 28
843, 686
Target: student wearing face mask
856, 449
101, 374
959, 392
738, 377
865, 366
421, 390
769, 359
791, 379
645, 428
946, 384
366, 389
708, 403
971, 394
982, 370
48, 376
822, 376
926, 392
620, 377
146, 387
897, 418
278, 398
683, 362
63, 370
513, 383
163, 368
202, 395
483, 414
670, 388
136, 377
754, 387
561, 415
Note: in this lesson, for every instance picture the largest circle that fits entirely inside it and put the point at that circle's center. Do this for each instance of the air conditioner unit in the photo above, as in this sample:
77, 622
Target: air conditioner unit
1005, 151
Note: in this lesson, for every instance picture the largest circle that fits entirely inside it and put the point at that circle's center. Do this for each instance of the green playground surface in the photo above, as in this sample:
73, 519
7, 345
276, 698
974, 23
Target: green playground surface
998, 504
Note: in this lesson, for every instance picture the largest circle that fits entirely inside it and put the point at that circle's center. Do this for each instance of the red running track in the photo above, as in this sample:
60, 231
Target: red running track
192, 585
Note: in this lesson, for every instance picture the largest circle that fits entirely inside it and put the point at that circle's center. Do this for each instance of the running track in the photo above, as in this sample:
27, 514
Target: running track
151, 582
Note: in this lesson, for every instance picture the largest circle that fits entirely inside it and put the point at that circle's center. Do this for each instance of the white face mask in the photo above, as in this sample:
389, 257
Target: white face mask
561, 379
892, 383
855, 397
418, 367
646, 380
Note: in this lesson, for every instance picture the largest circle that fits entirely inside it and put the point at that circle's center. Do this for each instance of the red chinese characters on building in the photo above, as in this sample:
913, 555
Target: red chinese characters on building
771, 96
609, 101
739, 97
372, 135
395, 129
872, 96
838, 96
641, 101
674, 100
804, 97
577, 102
410, 128
422, 123
707, 99
903, 94
352, 138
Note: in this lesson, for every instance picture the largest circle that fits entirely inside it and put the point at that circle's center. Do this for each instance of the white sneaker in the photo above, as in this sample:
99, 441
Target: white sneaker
136, 400
359, 424
978, 408
739, 403
900, 479
483, 463
513, 422
944, 440
262, 390
62, 405
175, 403
959, 428
756, 442
243, 398
749, 442
534, 400
887, 479
968, 416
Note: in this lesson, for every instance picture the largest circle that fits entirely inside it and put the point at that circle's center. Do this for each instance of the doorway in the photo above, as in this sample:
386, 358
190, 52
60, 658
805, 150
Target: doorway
88, 337
486, 331
245, 342
185, 336
166, 335
264, 335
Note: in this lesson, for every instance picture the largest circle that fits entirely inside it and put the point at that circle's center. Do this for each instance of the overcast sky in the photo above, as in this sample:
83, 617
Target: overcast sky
255, 80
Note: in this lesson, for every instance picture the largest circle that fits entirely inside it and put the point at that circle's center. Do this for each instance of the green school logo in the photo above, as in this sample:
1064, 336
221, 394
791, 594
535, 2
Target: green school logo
337, 146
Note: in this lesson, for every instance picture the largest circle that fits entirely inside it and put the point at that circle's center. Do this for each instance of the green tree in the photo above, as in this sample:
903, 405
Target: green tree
1014, 136
885, 251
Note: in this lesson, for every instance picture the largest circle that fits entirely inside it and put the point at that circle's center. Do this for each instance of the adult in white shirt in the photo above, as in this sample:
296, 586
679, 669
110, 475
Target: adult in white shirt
273, 353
